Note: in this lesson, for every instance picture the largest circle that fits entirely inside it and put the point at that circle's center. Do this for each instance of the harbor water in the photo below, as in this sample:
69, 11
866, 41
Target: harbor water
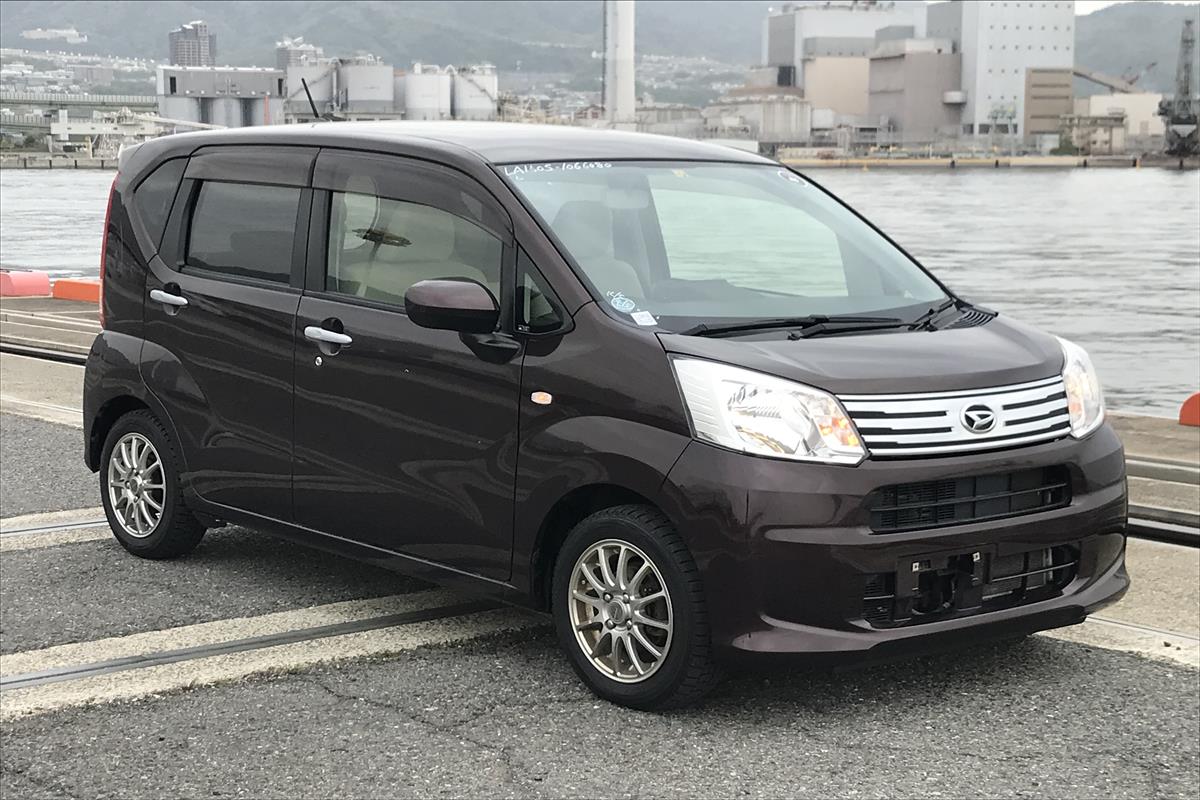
1109, 258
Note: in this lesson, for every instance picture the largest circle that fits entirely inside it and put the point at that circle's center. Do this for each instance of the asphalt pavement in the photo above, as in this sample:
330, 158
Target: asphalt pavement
41, 467
504, 717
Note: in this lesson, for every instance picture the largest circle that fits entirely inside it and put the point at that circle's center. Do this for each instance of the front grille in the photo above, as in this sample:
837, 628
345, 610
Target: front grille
947, 586
907, 425
955, 501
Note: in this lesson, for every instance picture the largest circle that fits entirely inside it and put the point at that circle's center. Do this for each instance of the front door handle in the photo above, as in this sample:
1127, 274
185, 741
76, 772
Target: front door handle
166, 298
316, 333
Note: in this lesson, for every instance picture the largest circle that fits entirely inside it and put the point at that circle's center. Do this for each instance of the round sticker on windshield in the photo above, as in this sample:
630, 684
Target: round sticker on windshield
789, 176
623, 304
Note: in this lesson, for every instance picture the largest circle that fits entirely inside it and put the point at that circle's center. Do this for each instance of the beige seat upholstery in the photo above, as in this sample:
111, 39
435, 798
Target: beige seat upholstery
586, 228
412, 243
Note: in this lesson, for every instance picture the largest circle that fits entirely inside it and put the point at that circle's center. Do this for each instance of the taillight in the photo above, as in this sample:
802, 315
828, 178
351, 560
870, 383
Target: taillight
112, 190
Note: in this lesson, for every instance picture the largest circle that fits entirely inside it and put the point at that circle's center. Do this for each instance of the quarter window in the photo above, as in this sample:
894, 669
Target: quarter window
244, 230
380, 247
537, 308
154, 196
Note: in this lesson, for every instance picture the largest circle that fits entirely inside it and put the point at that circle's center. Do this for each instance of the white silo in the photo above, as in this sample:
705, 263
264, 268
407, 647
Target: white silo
475, 92
366, 87
320, 79
426, 93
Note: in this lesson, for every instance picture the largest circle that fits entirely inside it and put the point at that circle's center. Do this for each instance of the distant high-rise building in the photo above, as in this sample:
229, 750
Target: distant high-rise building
293, 52
192, 45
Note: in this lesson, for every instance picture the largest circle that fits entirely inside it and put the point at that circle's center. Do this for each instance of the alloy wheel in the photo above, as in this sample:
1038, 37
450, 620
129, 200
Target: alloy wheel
137, 488
621, 611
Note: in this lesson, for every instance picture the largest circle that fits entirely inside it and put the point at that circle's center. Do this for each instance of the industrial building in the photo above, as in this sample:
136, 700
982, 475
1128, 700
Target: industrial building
1140, 109
913, 87
824, 49
1099, 134
233, 97
192, 45
1049, 96
999, 42
363, 87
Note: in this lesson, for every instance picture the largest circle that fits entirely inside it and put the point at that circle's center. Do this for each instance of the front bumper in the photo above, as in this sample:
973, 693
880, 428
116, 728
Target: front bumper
787, 553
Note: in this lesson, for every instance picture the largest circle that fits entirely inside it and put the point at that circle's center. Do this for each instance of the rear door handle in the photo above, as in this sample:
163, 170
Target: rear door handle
166, 298
318, 334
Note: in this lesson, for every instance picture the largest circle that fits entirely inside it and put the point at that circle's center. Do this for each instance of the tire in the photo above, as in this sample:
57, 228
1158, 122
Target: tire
169, 533
685, 670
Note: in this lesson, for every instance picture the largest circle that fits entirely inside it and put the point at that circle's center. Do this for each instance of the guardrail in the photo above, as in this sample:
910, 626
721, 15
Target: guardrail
56, 100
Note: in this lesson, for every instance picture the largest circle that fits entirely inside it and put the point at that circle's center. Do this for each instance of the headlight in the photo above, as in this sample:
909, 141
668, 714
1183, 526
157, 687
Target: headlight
1084, 399
764, 415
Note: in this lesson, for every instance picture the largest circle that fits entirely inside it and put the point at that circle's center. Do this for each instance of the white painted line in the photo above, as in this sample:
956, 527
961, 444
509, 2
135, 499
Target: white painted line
208, 633
236, 666
38, 541
46, 412
41, 518
43, 361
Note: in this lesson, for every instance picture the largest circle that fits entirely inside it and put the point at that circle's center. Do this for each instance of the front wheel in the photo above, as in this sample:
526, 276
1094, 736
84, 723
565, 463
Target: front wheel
629, 610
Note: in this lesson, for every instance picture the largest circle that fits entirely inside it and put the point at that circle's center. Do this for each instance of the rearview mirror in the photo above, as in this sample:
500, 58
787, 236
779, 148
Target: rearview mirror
452, 304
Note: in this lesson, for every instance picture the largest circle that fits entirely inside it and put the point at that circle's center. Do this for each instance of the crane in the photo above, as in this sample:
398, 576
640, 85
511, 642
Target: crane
1131, 77
1179, 112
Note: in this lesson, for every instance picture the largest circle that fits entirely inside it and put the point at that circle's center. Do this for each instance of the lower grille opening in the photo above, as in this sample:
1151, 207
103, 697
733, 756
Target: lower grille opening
954, 501
945, 586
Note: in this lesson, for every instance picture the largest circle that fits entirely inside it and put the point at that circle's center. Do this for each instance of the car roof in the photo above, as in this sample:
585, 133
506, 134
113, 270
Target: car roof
494, 142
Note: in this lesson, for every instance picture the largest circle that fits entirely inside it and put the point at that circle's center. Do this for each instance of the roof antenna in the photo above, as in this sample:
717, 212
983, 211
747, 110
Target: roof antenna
316, 114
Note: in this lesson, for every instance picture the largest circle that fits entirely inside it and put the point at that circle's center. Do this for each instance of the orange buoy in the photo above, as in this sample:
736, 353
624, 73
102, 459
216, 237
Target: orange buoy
1189, 412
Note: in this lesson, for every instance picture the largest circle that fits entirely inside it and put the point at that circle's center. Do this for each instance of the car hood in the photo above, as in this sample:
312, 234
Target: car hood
1000, 352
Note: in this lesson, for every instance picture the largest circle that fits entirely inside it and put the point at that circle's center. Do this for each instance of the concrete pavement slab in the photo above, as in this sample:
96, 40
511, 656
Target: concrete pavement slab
1165, 590
36, 380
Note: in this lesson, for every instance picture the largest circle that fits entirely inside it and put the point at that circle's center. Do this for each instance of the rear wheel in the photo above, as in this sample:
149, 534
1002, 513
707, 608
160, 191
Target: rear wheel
629, 611
139, 487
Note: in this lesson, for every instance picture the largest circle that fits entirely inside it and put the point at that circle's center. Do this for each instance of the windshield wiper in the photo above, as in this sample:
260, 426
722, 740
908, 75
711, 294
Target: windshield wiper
706, 329
925, 321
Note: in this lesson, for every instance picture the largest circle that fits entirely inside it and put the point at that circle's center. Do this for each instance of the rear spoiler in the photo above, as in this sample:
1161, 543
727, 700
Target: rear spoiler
123, 154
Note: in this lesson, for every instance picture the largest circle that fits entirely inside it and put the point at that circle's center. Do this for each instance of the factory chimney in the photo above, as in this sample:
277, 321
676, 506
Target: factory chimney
618, 98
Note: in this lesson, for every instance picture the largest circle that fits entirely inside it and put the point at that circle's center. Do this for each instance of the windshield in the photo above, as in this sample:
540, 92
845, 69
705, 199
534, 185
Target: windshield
682, 243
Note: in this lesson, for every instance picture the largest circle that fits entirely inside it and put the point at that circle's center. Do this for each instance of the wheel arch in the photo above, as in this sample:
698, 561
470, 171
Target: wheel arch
106, 417
571, 509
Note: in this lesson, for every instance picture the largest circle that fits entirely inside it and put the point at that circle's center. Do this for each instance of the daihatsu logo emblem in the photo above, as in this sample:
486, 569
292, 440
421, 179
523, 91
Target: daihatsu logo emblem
978, 418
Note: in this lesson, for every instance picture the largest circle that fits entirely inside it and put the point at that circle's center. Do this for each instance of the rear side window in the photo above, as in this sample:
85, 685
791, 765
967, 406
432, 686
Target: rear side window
244, 230
154, 195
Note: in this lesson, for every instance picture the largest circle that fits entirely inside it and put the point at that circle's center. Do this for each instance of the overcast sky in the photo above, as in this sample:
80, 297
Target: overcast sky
1088, 6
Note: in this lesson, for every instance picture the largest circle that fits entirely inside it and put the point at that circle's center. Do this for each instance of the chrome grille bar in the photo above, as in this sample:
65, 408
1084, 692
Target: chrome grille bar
893, 426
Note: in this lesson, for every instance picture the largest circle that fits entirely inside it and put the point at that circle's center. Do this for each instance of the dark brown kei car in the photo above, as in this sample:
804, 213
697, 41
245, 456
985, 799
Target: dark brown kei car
678, 396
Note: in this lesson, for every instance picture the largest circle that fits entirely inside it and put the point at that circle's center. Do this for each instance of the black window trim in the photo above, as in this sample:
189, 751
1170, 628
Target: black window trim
566, 322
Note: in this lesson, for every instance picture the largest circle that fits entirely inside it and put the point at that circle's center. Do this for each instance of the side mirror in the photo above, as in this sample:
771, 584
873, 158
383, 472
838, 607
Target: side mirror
452, 304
